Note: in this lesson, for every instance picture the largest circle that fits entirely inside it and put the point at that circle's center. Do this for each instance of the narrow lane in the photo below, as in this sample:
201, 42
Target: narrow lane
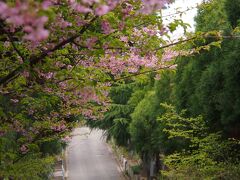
89, 158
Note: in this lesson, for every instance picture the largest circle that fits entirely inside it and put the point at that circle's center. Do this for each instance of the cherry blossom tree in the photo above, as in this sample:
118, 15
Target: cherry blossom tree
59, 59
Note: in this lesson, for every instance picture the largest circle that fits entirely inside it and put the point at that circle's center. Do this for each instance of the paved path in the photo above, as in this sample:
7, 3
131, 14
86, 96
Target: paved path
89, 158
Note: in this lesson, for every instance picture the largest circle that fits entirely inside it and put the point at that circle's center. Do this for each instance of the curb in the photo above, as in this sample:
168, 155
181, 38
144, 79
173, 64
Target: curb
120, 168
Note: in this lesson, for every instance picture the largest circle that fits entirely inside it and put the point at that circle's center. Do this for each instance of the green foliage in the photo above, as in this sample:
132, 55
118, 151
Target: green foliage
34, 167
116, 120
211, 16
206, 156
206, 84
143, 127
30, 116
233, 12
121, 94
136, 169
194, 136
136, 97
143, 121
178, 22
119, 131
34, 106
164, 87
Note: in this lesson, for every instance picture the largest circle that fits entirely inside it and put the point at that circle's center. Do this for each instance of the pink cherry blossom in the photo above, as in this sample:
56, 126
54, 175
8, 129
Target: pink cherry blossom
121, 26
88, 94
7, 44
24, 149
124, 39
2, 133
90, 42
112, 64
87, 63
16, 20
20, 16
80, 22
163, 30
173, 67
168, 55
151, 61
88, 113
62, 85
48, 75
157, 77
90, 2
105, 46
3, 9
106, 27
25, 74
113, 3
151, 31
80, 8
37, 35
137, 32
101, 10
61, 22
151, 5
59, 128
66, 139
69, 67
59, 64
46, 4
126, 11
133, 69
15, 100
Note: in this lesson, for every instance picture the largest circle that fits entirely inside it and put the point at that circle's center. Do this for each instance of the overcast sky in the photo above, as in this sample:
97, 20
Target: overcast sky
188, 16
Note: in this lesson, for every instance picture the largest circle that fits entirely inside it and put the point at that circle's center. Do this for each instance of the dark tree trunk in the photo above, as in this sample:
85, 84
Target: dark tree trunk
158, 164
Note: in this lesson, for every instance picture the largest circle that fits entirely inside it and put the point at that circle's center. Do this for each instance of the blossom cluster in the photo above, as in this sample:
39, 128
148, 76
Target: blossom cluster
88, 94
78, 52
151, 5
132, 63
22, 16
85, 6
26, 16
58, 128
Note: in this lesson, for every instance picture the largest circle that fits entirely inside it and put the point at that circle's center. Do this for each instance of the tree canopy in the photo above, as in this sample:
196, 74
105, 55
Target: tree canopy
111, 62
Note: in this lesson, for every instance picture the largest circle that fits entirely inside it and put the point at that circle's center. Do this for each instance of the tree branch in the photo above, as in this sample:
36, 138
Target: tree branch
140, 73
14, 46
36, 59
11, 39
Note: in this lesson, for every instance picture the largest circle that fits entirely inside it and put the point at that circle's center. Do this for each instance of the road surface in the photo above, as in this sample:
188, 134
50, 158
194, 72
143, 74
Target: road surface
88, 157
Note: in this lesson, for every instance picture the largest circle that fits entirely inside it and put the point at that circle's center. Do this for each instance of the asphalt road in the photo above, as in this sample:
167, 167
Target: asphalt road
89, 158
